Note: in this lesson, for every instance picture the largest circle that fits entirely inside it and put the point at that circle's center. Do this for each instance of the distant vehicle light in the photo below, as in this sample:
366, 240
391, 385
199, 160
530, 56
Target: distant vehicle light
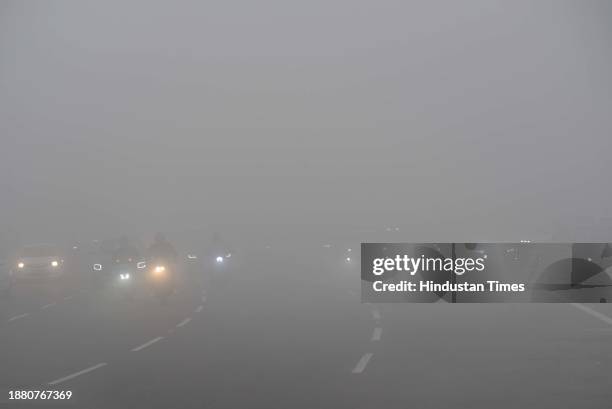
124, 276
192, 257
54, 263
20, 265
348, 259
97, 267
228, 255
219, 259
160, 269
141, 265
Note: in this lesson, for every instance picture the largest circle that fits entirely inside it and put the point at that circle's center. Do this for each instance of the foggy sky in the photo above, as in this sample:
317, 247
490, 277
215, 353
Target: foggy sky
474, 117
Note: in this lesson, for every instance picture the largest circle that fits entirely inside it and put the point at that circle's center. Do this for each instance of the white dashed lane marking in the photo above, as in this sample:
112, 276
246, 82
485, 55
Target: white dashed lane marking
146, 344
74, 375
376, 334
184, 322
44, 307
18, 317
363, 362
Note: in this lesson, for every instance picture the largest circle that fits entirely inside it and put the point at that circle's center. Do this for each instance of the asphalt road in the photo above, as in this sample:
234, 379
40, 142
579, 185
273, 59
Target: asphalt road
281, 332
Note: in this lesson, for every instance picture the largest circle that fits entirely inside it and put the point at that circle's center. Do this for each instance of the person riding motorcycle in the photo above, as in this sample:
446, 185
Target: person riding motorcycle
125, 253
162, 250
219, 248
162, 260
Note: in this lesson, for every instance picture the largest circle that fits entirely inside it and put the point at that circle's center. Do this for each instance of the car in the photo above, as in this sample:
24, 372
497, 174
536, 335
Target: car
105, 263
6, 278
39, 261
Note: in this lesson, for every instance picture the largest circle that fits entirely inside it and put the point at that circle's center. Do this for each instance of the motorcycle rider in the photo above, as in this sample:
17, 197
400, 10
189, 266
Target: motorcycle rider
219, 246
125, 252
162, 255
163, 250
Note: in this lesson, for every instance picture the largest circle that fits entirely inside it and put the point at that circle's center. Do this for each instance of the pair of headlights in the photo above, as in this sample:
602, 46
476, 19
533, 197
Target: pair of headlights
140, 265
21, 264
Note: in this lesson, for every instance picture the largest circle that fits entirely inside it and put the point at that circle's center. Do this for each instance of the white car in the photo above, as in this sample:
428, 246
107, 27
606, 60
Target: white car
44, 261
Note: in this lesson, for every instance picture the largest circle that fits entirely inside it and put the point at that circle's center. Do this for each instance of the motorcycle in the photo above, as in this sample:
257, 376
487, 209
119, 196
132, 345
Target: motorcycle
162, 278
125, 274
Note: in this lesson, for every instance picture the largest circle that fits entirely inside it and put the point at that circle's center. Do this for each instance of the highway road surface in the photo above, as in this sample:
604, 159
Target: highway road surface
283, 332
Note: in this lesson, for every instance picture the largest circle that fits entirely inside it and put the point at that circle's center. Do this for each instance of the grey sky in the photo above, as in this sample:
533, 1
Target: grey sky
474, 117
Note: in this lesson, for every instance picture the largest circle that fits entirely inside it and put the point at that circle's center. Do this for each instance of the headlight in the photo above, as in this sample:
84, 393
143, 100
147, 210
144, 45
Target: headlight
54, 263
141, 265
97, 267
192, 257
219, 259
160, 269
348, 259
20, 265
125, 276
